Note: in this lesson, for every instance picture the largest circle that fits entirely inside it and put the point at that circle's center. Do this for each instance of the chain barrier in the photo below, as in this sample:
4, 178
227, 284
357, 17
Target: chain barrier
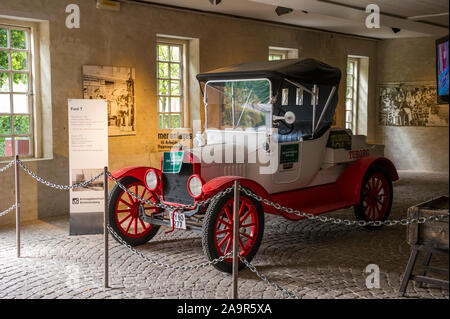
6, 212
158, 263
264, 278
324, 219
56, 186
404, 222
4, 168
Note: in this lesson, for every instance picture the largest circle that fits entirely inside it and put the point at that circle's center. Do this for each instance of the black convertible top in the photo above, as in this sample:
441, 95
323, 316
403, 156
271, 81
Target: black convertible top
306, 71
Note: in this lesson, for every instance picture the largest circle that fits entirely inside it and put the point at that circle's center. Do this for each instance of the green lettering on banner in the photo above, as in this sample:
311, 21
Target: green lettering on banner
172, 162
289, 153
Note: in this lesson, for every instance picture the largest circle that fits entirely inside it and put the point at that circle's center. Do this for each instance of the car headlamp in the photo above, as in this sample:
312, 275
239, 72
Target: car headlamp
194, 185
151, 180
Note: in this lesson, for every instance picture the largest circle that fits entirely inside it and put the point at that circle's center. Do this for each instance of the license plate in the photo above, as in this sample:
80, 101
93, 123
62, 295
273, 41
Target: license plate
178, 220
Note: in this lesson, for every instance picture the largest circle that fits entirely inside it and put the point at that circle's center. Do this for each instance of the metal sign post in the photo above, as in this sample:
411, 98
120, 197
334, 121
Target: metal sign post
16, 181
105, 224
235, 239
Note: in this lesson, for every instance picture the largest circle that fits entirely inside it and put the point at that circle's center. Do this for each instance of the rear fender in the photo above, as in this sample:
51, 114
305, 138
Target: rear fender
350, 182
218, 184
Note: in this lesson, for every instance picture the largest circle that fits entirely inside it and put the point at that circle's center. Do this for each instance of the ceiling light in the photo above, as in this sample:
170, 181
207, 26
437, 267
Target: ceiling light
215, 2
396, 30
283, 10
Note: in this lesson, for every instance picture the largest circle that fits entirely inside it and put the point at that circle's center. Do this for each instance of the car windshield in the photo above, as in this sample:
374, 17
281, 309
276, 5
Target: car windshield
238, 105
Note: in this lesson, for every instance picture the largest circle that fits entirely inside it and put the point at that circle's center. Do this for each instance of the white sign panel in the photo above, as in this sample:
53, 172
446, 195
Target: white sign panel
88, 155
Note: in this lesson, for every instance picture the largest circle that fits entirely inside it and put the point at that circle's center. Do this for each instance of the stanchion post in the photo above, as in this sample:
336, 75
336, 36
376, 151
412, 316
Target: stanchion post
235, 239
105, 226
17, 191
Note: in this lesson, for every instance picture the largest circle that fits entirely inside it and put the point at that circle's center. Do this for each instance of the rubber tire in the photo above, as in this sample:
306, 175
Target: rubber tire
113, 198
359, 210
209, 224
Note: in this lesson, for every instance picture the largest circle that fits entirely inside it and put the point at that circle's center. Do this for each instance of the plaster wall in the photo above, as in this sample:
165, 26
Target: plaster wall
127, 38
411, 148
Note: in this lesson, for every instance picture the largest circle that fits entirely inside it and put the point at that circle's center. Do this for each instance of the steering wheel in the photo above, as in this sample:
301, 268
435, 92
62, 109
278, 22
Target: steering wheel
283, 127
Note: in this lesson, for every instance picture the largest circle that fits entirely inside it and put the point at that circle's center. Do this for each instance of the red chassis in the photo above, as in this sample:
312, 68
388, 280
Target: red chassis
346, 192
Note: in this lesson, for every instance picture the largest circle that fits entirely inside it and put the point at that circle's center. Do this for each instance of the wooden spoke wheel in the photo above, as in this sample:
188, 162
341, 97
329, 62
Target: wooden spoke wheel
217, 238
124, 212
376, 198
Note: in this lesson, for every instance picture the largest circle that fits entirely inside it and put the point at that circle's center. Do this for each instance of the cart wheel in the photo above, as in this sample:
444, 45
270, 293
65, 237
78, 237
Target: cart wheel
376, 197
217, 234
124, 212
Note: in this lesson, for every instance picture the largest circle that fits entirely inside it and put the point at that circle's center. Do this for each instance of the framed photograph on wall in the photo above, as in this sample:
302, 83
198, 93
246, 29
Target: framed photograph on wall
410, 104
116, 85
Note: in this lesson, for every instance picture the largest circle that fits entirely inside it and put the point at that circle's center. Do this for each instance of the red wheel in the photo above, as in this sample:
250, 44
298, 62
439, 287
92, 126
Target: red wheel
218, 229
124, 212
376, 198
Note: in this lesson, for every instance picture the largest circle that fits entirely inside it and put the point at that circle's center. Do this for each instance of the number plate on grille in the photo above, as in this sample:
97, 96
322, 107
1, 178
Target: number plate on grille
178, 220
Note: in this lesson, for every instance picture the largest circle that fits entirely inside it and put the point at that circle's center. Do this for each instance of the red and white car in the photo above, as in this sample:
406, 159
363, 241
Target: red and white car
268, 125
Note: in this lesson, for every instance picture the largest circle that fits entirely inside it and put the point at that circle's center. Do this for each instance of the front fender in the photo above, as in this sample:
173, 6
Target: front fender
350, 182
217, 184
134, 171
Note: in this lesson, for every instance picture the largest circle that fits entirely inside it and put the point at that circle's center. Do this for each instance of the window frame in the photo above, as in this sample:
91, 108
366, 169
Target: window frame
184, 85
354, 96
30, 93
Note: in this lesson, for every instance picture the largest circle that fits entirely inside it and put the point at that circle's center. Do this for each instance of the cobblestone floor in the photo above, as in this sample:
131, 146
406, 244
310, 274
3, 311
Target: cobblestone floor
310, 258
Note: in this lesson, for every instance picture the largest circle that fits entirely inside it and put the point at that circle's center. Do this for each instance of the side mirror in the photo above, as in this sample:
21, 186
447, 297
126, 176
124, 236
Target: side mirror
288, 117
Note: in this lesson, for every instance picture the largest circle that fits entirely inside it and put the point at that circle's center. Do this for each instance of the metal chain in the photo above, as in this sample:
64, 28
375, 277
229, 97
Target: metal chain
324, 219
158, 263
5, 212
266, 280
61, 187
4, 168
165, 206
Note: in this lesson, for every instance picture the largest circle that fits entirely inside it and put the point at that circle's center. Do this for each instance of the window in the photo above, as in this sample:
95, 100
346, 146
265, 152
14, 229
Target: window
277, 53
16, 109
171, 83
299, 96
351, 95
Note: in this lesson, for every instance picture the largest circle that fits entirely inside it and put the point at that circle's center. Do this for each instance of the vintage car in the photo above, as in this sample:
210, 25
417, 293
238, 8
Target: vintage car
268, 125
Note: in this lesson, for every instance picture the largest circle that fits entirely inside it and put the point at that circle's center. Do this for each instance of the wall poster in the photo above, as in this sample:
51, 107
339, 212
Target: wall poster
116, 85
403, 104
88, 155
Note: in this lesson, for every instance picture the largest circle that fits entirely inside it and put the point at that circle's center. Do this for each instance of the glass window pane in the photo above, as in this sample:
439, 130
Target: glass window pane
175, 55
163, 104
349, 68
4, 65
21, 124
285, 96
19, 61
20, 103
5, 147
163, 70
5, 125
165, 121
3, 38
5, 103
20, 82
175, 104
18, 39
163, 87
22, 145
163, 52
349, 80
175, 72
175, 88
176, 120
349, 104
349, 92
299, 96
349, 116
4, 82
